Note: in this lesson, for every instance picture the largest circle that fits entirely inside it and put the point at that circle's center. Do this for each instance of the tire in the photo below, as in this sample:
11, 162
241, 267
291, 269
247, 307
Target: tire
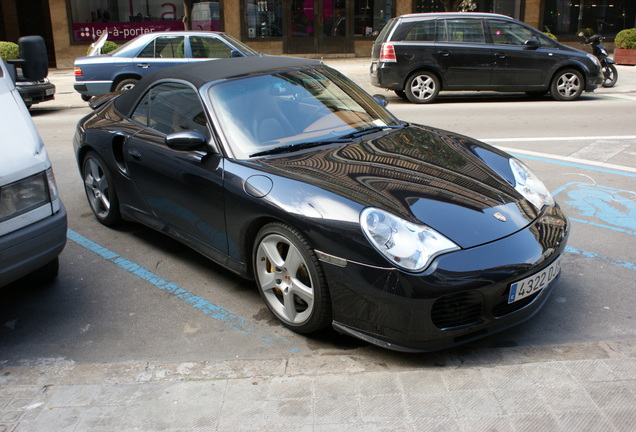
290, 279
100, 192
86, 98
422, 87
567, 85
126, 84
610, 75
401, 94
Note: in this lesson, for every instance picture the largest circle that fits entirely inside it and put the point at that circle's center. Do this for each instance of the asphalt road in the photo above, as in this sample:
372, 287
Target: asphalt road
130, 294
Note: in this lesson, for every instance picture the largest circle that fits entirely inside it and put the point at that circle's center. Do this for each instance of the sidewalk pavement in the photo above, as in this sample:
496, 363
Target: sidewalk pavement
574, 387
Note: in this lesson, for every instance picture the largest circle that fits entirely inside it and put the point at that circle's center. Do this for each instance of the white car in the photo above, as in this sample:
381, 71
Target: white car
32, 216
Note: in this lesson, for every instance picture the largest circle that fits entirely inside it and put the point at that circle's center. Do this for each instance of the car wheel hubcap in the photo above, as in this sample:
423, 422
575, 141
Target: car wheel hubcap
284, 279
96, 188
423, 87
569, 85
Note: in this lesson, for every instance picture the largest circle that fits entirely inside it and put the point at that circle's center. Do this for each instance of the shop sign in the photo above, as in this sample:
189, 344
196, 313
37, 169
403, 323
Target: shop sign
89, 32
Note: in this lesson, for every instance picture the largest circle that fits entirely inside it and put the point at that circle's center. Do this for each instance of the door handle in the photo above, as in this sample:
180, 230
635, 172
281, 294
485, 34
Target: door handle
134, 154
500, 55
143, 65
443, 53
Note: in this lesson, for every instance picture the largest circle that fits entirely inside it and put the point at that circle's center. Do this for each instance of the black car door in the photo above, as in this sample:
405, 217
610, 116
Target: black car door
463, 54
520, 64
184, 189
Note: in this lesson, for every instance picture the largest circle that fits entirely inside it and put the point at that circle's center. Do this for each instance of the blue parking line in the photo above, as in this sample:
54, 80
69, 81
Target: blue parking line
219, 313
612, 261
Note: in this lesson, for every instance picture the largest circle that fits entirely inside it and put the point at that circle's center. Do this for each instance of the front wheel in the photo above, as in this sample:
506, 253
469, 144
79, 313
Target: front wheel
567, 85
610, 75
100, 192
290, 279
422, 87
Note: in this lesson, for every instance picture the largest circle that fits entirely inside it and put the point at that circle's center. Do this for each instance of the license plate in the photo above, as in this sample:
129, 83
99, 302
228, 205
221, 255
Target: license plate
535, 283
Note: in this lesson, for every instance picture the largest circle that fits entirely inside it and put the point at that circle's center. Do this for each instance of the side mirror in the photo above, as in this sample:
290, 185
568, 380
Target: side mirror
33, 51
235, 53
187, 141
532, 43
381, 100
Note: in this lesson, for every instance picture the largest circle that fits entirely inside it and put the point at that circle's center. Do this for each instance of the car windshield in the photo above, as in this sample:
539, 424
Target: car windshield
262, 114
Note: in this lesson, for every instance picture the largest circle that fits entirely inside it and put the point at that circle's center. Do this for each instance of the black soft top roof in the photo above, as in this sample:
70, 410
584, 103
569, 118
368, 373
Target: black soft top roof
201, 73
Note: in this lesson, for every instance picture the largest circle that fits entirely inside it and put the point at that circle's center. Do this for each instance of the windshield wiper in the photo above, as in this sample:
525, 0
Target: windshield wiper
299, 146
371, 129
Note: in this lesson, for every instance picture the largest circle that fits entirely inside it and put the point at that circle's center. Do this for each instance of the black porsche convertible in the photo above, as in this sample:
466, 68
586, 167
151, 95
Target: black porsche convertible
286, 172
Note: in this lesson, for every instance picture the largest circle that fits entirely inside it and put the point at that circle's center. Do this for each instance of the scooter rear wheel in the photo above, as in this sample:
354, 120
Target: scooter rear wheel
610, 75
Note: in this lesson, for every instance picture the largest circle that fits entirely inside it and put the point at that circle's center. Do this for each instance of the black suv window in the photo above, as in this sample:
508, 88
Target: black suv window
460, 30
421, 31
510, 33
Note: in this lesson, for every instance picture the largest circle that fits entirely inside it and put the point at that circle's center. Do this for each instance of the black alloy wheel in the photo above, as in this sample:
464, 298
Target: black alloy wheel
610, 75
99, 189
290, 279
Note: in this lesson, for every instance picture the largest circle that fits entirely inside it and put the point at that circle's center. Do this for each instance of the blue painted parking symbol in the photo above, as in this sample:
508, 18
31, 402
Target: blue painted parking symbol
600, 206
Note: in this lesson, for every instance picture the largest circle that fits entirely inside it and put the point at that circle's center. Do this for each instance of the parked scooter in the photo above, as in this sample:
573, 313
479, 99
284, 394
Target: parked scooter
610, 74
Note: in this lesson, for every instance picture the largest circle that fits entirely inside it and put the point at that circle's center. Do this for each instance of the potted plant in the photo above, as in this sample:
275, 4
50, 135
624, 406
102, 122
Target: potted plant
625, 47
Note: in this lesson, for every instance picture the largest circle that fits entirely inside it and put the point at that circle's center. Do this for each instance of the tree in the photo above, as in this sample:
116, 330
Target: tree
187, 10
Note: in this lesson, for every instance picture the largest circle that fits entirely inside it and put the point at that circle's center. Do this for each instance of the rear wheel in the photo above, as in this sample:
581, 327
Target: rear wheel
126, 84
567, 85
290, 279
610, 75
100, 192
422, 87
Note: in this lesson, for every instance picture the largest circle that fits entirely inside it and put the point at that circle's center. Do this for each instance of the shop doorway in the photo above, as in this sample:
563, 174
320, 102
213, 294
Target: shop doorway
318, 26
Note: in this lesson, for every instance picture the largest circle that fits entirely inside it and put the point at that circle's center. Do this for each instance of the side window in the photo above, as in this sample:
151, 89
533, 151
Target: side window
421, 31
164, 47
460, 30
140, 115
209, 47
509, 33
172, 107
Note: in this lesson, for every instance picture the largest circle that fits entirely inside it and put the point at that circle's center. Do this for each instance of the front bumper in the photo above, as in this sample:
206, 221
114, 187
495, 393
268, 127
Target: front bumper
32, 247
463, 296
36, 93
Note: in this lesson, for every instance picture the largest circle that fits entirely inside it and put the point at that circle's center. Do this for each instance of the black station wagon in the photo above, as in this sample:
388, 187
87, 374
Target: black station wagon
418, 55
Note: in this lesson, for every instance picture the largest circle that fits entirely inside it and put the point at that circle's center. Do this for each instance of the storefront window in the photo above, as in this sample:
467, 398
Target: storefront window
567, 17
504, 7
123, 19
264, 18
370, 16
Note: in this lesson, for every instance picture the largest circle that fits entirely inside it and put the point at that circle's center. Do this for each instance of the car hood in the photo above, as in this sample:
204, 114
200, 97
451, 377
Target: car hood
22, 152
422, 175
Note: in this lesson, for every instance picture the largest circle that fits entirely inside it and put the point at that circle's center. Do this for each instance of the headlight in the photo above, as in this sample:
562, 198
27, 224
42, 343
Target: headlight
23, 196
528, 185
407, 245
594, 60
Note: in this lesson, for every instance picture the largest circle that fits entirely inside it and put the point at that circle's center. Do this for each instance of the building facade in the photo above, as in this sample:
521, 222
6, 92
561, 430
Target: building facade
295, 27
